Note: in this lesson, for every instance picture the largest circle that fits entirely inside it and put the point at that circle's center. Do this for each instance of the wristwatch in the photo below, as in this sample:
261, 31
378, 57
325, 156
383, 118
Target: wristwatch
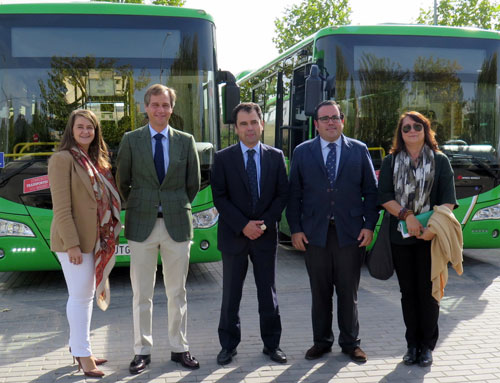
263, 227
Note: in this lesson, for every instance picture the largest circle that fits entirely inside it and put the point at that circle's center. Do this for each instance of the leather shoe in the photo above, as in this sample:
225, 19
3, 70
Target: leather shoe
356, 354
411, 356
316, 352
185, 359
276, 355
225, 356
139, 364
425, 359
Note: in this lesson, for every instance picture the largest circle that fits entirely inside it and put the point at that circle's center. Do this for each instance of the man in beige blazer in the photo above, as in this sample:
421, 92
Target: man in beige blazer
158, 176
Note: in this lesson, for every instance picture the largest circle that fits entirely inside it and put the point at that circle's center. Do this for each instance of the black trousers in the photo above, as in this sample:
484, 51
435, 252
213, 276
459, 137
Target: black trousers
334, 268
420, 310
234, 270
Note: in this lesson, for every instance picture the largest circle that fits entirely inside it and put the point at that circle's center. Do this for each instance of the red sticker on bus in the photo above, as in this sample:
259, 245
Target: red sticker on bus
31, 185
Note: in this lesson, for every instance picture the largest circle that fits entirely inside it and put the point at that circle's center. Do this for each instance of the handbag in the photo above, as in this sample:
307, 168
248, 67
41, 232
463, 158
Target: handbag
379, 258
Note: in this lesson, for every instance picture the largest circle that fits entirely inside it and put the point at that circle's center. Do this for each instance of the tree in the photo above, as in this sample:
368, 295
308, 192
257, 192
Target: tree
302, 20
174, 3
463, 13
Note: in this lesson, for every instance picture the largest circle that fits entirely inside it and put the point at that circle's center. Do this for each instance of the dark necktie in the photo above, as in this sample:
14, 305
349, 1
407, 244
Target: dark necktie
252, 177
331, 163
158, 158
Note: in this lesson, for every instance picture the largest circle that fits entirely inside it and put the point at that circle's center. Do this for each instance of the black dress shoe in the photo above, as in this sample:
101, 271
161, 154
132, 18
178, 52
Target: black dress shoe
276, 355
225, 356
425, 359
411, 356
139, 364
185, 359
356, 354
316, 352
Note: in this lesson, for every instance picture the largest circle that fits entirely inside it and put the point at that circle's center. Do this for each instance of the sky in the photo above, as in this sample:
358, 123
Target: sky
245, 28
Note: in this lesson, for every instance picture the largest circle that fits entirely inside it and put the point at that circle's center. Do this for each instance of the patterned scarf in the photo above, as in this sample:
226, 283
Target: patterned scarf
108, 214
412, 185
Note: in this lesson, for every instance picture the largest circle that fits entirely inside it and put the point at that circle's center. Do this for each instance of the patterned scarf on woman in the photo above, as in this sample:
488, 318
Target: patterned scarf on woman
108, 214
413, 184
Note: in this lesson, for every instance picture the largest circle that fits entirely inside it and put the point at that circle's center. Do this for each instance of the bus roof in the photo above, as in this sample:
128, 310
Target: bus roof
379, 29
101, 8
408, 30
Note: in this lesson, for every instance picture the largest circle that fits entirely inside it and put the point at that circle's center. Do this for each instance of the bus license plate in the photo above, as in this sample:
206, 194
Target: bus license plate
122, 249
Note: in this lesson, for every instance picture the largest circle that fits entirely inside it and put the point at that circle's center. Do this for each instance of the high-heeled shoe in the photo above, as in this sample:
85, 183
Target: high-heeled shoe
97, 361
94, 373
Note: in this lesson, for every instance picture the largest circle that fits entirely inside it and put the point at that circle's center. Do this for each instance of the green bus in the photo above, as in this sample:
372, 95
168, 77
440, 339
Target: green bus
98, 56
375, 73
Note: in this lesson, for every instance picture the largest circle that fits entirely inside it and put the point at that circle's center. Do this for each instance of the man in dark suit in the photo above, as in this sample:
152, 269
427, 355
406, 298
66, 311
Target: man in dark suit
250, 187
332, 213
158, 176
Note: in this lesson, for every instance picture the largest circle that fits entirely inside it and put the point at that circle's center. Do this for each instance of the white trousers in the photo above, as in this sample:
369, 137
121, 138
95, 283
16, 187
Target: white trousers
143, 262
80, 280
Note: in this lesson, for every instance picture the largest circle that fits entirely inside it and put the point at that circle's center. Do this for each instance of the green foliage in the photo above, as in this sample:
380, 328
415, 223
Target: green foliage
463, 13
302, 20
174, 3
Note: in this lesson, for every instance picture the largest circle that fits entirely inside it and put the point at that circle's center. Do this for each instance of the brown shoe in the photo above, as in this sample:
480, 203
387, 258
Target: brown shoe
356, 354
316, 352
185, 359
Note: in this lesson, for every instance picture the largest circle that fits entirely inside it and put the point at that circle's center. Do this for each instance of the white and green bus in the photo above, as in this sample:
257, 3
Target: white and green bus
99, 56
451, 75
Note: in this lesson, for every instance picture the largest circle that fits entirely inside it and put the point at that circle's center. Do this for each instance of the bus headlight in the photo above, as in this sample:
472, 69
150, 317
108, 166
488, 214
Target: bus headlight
205, 218
14, 229
491, 212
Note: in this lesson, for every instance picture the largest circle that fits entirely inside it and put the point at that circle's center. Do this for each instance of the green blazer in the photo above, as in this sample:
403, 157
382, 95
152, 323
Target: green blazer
139, 186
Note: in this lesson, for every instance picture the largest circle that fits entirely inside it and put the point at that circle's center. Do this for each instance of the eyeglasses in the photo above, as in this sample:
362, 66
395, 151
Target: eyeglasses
416, 127
333, 118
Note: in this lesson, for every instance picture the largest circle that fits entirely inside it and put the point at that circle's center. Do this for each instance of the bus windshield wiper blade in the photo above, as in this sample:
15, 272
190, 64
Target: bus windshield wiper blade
8, 176
476, 161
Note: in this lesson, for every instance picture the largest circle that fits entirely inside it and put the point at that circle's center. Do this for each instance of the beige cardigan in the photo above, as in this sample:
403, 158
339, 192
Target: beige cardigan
446, 247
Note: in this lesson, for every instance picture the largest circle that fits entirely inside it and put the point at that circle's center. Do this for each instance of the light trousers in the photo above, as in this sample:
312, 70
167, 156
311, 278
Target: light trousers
143, 264
80, 280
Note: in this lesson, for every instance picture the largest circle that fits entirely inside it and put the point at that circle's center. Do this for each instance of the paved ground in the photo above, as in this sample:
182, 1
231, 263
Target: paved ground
33, 330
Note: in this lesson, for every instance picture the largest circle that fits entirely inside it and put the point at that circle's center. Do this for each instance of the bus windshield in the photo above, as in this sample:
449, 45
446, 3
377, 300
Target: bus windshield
44, 75
452, 81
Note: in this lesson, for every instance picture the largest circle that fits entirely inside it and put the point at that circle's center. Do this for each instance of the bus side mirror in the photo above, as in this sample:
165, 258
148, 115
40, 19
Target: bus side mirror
230, 95
314, 91
230, 99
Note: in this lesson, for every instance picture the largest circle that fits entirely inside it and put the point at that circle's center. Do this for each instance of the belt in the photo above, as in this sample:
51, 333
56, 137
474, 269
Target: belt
159, 215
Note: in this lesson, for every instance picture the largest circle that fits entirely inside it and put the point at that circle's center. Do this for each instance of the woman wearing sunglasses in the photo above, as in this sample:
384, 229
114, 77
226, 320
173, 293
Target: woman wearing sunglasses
413, 178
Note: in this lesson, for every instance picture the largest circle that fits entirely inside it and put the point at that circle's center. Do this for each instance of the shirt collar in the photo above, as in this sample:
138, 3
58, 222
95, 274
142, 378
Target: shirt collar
245, 148
164, 132
324, 143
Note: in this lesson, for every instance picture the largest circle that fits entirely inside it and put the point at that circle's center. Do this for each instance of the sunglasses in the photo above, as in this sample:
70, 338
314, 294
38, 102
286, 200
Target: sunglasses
417, 127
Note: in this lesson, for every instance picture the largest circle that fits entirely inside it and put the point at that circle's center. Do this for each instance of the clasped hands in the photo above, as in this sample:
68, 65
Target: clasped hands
416, 229
253, 229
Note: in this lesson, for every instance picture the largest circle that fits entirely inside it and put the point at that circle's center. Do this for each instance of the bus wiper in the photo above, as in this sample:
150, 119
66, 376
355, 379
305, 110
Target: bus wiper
476, 161
6, 177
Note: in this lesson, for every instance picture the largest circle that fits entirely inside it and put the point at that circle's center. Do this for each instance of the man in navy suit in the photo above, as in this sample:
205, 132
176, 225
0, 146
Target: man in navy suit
332, 213
250, 189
